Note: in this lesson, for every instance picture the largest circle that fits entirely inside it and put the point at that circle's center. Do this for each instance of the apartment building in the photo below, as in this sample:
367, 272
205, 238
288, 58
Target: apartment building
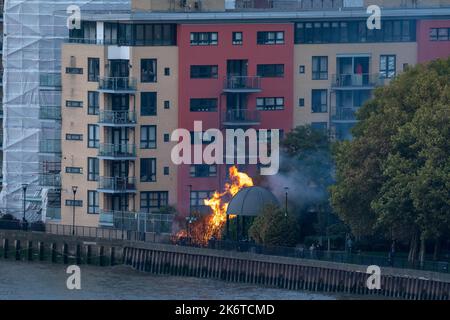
130, 79
1, 93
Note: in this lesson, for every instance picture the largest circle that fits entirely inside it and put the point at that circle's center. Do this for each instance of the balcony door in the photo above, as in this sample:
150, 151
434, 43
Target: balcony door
119, 68
237, 68
119, 140
236, 105
119, 203
353, 70
119, 169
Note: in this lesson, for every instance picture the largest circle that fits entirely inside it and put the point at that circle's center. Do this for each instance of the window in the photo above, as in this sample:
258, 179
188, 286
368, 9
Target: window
270, 37
319, 126
93, 105
74, 137
93, 69
301, 69
93, 136
93, 169
148, 169
77, 170
203, 170
148, 70
387, 66
204, 38
319, 68
148, 103
301, 102
167, 71
199, 137
154, 200
140, 34
319, 101
206, 105
74, 104
269, 103
166, 137
74, 203
237, 38
270, 70
166, 104
148, 137
204, 72
86, 34
74, 70
166, 171
442, 34
93, 205
197, 200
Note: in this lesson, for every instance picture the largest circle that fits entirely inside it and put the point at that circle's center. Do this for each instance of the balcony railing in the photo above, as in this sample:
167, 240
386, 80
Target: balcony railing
52, 80
117, 184
136, 221
117, 151
357, 80
50, 113
50, 180
344, 114
242, 117
117, 118
242, 84
117, 84
50, 146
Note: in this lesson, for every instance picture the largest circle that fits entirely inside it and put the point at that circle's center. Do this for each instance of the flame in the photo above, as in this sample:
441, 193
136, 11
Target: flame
211, 226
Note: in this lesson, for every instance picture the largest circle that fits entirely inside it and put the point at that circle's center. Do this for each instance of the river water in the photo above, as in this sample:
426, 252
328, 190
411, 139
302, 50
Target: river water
40, 281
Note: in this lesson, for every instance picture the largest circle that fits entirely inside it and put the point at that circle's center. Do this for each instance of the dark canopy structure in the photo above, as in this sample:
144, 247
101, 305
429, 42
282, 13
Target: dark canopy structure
251, 201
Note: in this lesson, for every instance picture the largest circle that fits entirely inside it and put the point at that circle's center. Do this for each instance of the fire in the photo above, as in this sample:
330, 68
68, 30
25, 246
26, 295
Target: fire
211, 226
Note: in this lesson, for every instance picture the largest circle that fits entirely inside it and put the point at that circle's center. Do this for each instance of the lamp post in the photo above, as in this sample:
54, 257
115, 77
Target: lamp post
188, 229
74, 190
286, 189
24, 220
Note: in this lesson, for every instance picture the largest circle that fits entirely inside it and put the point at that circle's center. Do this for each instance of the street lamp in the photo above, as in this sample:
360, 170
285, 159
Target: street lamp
24, 220
286, 189
74, 190
189, 220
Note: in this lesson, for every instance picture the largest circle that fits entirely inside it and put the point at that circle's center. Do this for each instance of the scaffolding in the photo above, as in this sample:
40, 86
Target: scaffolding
34, 31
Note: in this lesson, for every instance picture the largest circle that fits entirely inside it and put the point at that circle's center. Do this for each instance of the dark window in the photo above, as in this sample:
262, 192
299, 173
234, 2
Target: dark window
154, 200
74, 70
93, 203
74, 137
434, 34
93, 69
110, 33
93, 136
93, 169
148, 70
167, 71
197, 200
140, 34
387, 66
270, 103
148, 137
166, 137
93, 104
301, 102
148, 104
166, 104
270, 70
196, 138
443, 34
270, 37
301, 69
204, 72
72, 203
319, 68
166, 171
77, 170
237, 38
319, 101
204, 38
86, 34
148, 169
74, 104
203, 170
207, 105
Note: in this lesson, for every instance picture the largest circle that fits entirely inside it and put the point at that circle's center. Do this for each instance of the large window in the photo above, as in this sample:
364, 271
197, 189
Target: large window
354, 32
154, 200
270, 103
150, 34
203, 170
237, 38
270, 37
204, 72
148, 70
148, 103
204, 38
387, 66
86, 34
319, 68
93, 69
148, 169
93, 104
93, 136
206, 105
93, 169
319, 101
93, 204
148, 137
197, 200
440, 34
270, 70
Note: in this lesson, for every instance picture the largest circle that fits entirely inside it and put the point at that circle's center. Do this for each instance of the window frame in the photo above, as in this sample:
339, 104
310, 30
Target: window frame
96, 205
93, 173
153, 110
93, 142
152, 167
93, 69
313, 105
148, 78
148, 143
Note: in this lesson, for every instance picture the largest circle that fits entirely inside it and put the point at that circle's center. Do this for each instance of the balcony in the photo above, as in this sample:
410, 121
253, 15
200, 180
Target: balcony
117, 85
109, 151
111, 218
117, 185
238, 84
117, 118
50, 80
242, 117
356, 81
50, 180
50, 113
50, 146
344, 114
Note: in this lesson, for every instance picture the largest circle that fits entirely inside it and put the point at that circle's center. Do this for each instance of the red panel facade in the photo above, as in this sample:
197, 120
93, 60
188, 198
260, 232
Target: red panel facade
428, 49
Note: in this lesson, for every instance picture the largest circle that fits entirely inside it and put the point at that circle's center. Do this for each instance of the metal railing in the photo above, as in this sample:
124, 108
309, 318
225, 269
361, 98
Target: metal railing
117, 117
344, 113
136, 221
243, 116
117, 84
242, 83
117, 184
50, 112
117, 150
50, 146
356, 80
50, 180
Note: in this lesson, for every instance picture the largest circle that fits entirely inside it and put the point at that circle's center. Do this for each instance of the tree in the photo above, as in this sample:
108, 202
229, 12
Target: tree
394, 175
273, 227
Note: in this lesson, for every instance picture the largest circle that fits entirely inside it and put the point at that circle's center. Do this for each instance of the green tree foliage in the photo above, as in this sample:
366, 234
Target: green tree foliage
394, 175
